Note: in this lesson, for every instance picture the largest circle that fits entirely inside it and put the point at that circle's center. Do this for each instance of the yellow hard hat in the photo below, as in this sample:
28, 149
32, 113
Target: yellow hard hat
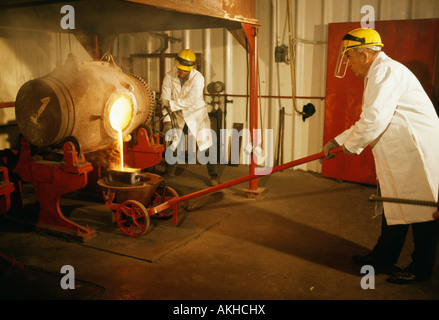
360, 38
186, 60
357, 38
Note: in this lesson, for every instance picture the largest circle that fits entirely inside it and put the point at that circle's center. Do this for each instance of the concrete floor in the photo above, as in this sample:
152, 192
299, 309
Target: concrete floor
294, 243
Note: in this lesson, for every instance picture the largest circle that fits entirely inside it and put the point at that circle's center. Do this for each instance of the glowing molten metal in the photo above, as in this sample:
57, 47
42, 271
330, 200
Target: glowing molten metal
121, 113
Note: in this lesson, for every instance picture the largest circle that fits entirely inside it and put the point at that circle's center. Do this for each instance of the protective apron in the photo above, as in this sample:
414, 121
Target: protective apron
400, 123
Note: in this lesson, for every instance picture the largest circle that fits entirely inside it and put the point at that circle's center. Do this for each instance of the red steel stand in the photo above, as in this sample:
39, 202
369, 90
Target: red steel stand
6, 188
146, 152
52, 180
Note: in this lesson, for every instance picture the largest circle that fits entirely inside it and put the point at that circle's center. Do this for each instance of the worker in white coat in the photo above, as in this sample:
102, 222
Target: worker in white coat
182, 91
399, 122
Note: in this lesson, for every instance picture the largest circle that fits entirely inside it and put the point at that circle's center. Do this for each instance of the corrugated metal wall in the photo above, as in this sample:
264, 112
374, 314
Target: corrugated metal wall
224, 59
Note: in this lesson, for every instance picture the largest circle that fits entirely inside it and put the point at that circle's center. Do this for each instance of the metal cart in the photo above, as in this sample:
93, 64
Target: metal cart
130, 204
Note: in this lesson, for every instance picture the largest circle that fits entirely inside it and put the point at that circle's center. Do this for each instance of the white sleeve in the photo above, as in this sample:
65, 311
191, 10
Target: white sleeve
166, 88
381, 96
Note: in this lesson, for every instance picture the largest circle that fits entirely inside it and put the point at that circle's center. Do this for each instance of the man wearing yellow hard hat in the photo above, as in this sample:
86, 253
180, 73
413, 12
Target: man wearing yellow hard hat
399, 122
182, 91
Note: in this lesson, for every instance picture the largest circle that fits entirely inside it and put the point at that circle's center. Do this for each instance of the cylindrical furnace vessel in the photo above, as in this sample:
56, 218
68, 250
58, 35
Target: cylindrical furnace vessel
76, 101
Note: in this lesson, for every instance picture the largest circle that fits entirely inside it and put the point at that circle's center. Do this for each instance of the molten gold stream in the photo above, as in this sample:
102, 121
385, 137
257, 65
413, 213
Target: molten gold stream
120, 116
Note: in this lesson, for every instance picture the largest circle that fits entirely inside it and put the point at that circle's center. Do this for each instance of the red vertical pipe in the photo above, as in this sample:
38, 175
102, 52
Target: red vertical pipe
253, 184
96, 49
252, 37
7, 105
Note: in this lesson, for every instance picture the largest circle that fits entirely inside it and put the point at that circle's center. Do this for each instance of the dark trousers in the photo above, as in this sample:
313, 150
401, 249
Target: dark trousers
211, 168
170, 168
425, 237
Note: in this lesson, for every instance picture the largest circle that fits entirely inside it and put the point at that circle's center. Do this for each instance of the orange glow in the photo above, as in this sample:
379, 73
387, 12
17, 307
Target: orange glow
121, 113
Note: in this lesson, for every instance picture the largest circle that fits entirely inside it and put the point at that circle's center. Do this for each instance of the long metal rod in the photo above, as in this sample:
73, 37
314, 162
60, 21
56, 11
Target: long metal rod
232, 95
404, 201
261, 173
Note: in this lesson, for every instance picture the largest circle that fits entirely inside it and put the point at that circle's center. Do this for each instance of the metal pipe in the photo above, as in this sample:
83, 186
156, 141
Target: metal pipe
292, 59
266, 96
254, 74
404, 201
207, 45
252, 52
7, 105
12, 104
175, 201
96, 49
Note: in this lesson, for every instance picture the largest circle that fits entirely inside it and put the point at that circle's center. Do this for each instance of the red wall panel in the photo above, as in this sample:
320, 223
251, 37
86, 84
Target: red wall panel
411, 42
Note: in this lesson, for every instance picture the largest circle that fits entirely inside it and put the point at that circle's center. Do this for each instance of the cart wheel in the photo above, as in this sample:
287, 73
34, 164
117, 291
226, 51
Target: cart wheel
162, 195
132, 218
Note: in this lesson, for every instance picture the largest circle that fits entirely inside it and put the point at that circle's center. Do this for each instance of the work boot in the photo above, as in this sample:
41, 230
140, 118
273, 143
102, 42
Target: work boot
404, 277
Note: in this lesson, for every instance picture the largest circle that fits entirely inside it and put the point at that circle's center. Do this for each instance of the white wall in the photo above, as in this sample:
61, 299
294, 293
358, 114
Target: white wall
24, 58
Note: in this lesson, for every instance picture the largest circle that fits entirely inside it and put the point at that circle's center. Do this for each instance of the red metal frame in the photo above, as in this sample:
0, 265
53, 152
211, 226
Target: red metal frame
6, 188
52, 180
146, 152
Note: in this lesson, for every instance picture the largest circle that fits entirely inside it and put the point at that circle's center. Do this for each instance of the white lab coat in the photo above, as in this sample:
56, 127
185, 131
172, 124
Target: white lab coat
189, 106
400, 123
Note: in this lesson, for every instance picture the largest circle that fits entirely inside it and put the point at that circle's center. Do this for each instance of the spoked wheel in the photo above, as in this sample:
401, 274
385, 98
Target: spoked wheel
162, 195
132, 218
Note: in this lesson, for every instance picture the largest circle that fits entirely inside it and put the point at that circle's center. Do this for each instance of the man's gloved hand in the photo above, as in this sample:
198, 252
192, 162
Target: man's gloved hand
330, 145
